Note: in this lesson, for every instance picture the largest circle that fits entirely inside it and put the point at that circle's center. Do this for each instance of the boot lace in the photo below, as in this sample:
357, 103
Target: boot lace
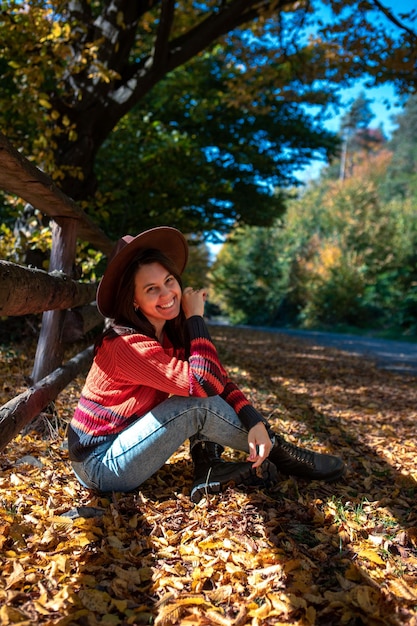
302, 455
217, 451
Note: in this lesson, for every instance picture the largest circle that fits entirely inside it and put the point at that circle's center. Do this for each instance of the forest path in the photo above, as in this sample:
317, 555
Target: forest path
396, 356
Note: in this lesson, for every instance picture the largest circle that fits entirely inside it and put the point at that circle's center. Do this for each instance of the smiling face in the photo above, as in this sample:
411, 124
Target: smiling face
157, 294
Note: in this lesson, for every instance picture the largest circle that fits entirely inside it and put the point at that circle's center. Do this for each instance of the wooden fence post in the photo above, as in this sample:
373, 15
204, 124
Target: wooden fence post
50, 348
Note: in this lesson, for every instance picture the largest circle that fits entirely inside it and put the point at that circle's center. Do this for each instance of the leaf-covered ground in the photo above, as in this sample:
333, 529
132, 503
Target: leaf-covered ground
303, 553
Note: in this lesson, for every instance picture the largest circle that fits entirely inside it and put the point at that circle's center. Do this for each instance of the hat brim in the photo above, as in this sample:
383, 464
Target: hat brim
170, 241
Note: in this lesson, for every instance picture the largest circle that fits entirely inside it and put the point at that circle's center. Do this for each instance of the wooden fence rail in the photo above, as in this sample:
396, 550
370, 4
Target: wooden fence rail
22, 178
26, 290
67, 305
17, 413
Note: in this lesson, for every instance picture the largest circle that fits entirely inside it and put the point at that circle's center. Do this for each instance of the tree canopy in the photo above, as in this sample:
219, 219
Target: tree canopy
71, 71
200, 163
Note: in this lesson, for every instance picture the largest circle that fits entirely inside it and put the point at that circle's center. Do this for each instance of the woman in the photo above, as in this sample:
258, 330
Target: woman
156, 381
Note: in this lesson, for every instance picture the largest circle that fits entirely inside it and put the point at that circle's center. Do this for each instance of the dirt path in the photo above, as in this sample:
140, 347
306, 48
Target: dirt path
398, 356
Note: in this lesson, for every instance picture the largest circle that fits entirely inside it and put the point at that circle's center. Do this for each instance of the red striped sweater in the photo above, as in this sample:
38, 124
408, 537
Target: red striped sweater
133, 373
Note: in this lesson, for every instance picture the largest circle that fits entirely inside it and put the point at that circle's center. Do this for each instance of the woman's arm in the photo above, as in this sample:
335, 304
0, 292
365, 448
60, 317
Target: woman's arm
135, 359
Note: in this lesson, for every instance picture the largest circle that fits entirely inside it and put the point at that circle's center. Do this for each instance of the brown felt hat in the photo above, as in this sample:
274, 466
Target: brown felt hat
170, 241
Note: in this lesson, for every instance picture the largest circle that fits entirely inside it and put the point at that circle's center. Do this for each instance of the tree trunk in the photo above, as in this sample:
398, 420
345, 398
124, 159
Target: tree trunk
17, 413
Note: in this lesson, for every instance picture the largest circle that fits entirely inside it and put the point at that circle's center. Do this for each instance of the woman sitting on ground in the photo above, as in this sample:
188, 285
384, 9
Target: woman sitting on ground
156, 381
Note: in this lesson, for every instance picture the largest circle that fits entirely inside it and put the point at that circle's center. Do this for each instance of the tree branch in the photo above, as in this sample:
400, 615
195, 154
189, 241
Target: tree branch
140, 78
161, 50
392, 18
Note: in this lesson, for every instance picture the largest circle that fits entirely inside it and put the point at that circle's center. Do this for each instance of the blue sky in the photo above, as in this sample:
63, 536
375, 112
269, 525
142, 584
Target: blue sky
379, 97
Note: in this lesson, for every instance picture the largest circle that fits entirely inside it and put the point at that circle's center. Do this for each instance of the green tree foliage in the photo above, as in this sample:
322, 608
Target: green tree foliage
248, 277
358, 139
200, 152
195, 274
344, 257
402, 172
71, 71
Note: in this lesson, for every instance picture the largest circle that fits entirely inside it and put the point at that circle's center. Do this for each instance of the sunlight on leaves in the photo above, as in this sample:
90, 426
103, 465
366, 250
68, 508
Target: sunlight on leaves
301, 553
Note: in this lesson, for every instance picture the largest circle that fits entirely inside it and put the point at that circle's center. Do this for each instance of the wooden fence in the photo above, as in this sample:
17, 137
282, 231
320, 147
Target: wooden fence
61, 300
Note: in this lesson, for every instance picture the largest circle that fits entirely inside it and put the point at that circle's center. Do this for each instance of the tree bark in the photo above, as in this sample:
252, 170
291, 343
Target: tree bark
17, 413
24, 290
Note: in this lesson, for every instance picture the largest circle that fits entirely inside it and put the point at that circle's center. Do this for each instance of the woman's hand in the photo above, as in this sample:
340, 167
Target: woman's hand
259, 444
193, 301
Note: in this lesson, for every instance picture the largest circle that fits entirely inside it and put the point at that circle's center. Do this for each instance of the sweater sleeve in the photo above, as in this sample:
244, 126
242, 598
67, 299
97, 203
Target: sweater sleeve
135, 359
132, 360
247, 414
207, 371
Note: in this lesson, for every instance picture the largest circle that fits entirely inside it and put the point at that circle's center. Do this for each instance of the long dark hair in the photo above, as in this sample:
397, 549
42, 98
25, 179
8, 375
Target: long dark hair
125, 315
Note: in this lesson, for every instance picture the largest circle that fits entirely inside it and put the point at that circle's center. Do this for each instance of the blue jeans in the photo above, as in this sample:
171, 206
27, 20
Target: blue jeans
142, 448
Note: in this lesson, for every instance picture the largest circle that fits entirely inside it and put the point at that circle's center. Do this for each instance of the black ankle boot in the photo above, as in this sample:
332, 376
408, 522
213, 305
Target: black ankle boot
211, 473
294, 461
